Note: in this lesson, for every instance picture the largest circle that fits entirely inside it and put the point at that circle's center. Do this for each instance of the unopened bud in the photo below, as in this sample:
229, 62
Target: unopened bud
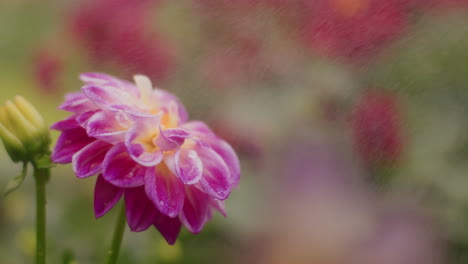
22, 130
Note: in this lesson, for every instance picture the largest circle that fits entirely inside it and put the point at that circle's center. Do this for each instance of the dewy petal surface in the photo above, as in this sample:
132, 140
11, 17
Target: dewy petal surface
140, 211
88, 161
215, 178
121, 170
168, 227
165, 190
106, 196
70, 142
196, 211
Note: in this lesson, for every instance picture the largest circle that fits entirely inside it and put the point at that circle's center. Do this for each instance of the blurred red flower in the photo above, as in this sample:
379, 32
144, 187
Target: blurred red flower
376, 127
117, 31
353, 29
47, 68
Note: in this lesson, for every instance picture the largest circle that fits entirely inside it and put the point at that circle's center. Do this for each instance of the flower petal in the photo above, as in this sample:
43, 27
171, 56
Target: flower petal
103, 125
66, 124
139, 142
106, 196
188, 166
120, 170
110, 98
227, 153
96, 78
196, 211
166, 99
140, 211
198, 128
70, 142
77, 103
168, 227
171, 138
88, 161
215, 178
165, 190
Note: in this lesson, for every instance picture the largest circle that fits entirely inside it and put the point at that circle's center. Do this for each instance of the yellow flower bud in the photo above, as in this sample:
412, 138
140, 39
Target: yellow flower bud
12, 144
28, 110
22, 130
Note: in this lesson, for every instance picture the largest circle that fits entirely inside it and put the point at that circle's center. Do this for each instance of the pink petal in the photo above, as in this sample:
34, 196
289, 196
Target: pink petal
188, 166
219, 206
95, 78
77, 103
198, 128
196, 211
139, 142
83, 118
168, 98
120, 170
215, 178
168, 227
70, 142
227, 153
103, 125
88, 161
165, 190
106, 196
171, 138
110, 98
140, 210
67, 124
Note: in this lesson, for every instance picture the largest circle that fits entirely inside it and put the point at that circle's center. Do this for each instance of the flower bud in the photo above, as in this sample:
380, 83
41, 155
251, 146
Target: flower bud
22, 130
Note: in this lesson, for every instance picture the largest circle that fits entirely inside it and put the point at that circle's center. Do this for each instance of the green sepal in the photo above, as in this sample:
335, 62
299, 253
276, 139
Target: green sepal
43, 161
16, 181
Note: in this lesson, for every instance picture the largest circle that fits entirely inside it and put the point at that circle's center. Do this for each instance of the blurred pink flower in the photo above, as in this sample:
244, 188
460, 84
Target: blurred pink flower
353, 29
117, 31
47, 67
376, 127
137, 139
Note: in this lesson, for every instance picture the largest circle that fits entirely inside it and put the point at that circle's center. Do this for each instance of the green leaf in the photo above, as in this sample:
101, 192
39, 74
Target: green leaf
16, 182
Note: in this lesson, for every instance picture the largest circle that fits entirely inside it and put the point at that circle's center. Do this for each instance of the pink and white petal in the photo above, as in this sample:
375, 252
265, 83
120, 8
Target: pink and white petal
168, 227
198, 128
102, 79
103, 125
188, 166
219, 206
66, 124
215, 180
88, 161
140, 211
171, 138
227, 153
77, 103
139, 143
70, 142
196, 211
110, 98
165, 190
120, 169
83, 118
164, 99
106, 196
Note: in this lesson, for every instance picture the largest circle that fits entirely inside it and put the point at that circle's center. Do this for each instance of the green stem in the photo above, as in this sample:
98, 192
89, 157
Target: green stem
41, 175
113, 252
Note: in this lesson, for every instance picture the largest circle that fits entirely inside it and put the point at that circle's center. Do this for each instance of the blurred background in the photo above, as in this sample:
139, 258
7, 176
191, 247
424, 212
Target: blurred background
349, 116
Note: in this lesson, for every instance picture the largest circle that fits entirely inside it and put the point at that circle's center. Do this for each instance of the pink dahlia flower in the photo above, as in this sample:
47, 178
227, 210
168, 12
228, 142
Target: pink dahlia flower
138, 140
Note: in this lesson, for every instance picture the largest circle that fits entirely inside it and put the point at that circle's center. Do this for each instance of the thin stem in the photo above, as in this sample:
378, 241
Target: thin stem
113, 252
41, 176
